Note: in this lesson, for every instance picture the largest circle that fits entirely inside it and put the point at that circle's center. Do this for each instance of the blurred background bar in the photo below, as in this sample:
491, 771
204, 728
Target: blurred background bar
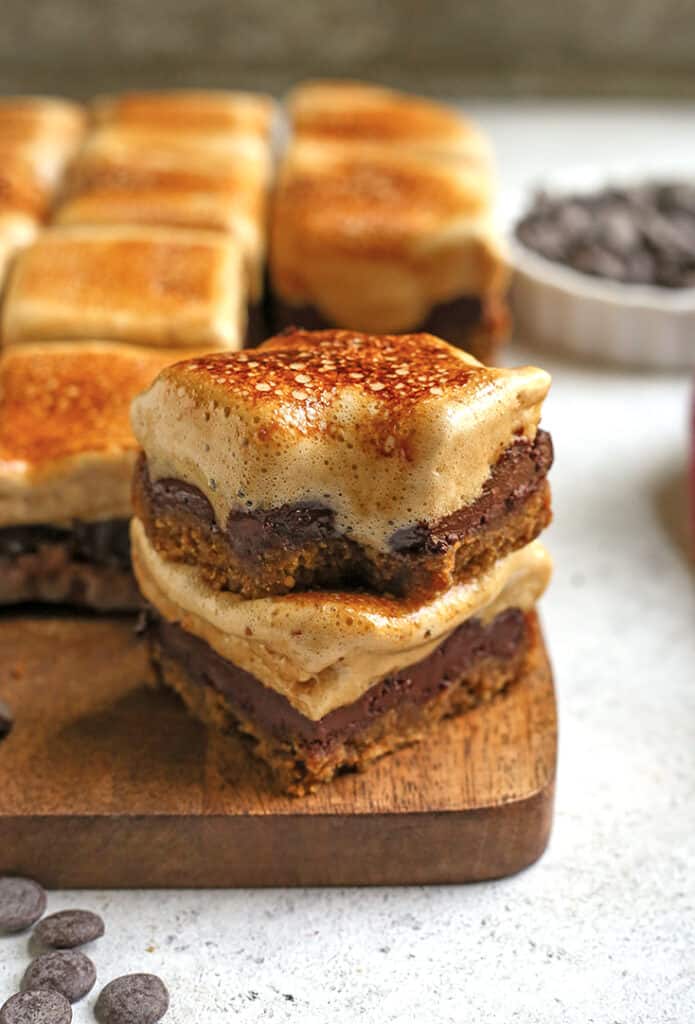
490, 47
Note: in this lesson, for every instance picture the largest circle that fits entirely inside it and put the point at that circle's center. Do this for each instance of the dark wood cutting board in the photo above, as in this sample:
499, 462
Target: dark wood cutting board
105, 782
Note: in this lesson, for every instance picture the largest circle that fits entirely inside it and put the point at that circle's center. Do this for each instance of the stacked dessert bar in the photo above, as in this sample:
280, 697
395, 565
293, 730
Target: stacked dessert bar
335, 534
382, 219
37, 138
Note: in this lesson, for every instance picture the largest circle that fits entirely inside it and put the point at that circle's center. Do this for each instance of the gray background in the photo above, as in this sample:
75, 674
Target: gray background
501, 47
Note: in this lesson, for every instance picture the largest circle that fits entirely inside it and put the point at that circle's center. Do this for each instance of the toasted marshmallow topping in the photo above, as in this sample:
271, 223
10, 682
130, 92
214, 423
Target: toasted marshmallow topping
213, 182
387, 431
322, 650
66, 447
374, 237
159, 286
190, 110
354, 112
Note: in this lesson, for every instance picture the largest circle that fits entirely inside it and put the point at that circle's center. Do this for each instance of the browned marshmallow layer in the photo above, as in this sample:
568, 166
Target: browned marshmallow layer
146, 285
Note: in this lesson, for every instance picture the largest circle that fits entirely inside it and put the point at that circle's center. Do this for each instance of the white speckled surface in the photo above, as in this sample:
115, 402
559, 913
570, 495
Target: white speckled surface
601, 930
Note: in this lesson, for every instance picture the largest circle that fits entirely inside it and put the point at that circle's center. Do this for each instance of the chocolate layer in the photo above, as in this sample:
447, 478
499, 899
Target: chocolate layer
469, 322
519, 472
103, 543
503, 640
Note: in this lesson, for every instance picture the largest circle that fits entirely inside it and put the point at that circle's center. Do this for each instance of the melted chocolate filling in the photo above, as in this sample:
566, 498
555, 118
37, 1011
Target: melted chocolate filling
471, 642
518, 473
104, 543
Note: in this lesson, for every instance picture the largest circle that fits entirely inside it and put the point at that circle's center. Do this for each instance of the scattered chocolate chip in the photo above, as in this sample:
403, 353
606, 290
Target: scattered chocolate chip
640, 235
6, 719
132, 999
67, 971
40, 1007
69, 928
22, 902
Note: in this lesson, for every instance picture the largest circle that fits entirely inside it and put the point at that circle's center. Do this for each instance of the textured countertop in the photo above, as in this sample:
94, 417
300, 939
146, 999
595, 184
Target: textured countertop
602, 929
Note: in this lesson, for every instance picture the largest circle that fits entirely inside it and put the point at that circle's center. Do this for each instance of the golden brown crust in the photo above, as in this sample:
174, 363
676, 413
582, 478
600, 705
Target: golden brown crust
188, 110
159, 286
301, 373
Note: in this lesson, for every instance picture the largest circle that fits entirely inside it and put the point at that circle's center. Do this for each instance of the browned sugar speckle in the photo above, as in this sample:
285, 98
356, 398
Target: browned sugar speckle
299, 376
57, 403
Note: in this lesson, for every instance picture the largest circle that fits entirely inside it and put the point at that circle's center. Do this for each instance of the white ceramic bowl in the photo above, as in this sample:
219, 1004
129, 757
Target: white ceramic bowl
592, 317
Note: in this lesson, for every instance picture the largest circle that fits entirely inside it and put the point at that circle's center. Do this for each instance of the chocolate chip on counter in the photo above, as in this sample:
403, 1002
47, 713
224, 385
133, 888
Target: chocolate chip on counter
67, 971
22, 902
132, 999
69, 928
40, 1007
6, 719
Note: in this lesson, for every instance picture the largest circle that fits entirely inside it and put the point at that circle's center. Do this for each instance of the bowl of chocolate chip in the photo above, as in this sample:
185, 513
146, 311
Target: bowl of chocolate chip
607, 270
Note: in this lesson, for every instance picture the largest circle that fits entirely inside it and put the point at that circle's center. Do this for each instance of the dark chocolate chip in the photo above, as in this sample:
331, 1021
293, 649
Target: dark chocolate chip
132, 999
69, 928
640, 235
67, 971
40, 1007
6, 719
22, 902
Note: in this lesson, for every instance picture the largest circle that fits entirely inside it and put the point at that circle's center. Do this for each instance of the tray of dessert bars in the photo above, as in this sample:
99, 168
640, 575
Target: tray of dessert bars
269, 611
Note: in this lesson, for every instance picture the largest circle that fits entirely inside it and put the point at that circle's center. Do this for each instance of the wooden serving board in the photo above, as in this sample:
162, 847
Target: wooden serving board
105, 782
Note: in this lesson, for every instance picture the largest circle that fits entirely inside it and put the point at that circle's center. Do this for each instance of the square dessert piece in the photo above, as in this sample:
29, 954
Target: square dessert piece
387, 239
332, 459
334, 535
148, 177
323, 683
168, 287
189, 110
357, 113
66, 461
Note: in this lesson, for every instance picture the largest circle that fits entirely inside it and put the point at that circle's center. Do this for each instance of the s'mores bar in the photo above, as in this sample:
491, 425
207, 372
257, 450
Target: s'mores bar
333, 459
157, 286
334, 535
382, 221
66, 460
215, 182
